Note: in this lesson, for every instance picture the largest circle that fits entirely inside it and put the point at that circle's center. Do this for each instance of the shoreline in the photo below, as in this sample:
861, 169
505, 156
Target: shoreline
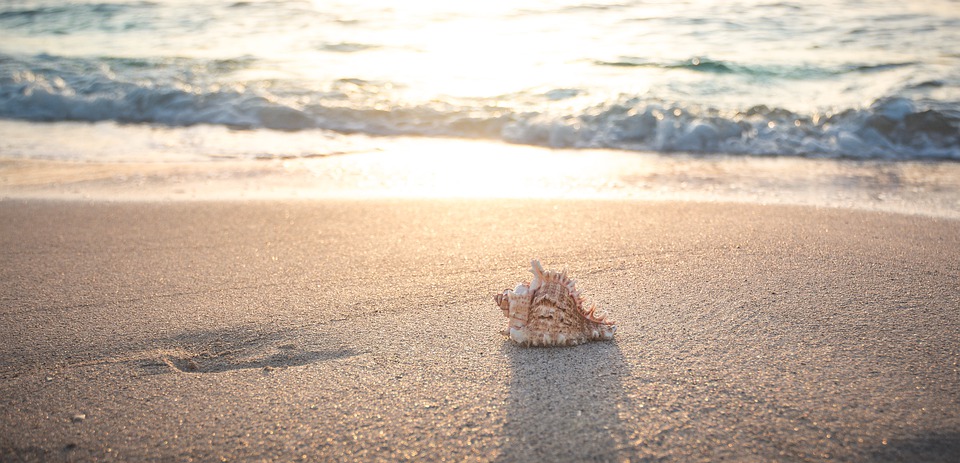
364, 330
418, 169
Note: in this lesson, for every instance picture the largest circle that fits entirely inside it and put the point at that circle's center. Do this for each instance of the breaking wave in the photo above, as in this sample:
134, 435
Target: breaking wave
895, 127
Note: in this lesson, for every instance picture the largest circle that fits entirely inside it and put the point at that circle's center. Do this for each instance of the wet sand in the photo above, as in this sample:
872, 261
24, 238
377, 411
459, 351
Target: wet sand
364, 330
419, 168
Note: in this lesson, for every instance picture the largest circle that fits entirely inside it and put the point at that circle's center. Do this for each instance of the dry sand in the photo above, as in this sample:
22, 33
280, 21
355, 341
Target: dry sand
364, 330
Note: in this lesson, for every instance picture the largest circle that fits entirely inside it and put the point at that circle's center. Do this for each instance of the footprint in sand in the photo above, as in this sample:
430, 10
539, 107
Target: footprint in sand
216, 352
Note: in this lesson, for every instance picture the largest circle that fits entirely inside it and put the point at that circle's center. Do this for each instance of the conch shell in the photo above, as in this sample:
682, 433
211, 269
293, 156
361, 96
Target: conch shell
550, 312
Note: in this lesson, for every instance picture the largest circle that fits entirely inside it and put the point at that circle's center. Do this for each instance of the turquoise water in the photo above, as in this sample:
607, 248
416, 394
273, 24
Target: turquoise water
848, 79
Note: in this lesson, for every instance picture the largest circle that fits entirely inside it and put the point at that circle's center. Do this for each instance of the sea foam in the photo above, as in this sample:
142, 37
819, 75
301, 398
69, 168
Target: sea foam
894, 127
879, 79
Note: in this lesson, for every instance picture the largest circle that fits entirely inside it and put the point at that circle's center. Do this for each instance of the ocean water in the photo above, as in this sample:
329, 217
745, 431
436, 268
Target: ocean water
877, 79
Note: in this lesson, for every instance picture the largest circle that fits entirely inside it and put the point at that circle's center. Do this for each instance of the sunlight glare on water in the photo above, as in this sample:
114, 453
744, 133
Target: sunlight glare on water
482, 49
818, 78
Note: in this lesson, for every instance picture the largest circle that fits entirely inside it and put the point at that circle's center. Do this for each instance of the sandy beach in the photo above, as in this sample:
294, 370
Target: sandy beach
364, 330
273, 231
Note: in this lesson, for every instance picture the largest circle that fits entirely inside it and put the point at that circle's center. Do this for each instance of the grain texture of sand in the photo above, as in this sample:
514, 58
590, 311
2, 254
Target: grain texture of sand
365, 331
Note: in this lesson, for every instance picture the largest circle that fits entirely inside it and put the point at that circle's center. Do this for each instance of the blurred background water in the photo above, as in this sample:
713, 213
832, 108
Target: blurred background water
249, 79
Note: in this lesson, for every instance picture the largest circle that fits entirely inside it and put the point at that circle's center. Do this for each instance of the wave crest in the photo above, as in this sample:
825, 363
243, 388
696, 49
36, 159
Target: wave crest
890, 128
894, 127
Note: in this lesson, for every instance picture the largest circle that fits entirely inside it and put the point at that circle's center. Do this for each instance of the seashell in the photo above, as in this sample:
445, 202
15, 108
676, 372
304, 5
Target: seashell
550, 311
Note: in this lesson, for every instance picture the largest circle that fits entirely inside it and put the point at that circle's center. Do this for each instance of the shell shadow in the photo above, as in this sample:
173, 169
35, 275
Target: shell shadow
564, 404
931, 446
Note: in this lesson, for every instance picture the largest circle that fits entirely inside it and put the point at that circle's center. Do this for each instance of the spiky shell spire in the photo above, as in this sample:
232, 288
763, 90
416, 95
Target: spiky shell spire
550, 311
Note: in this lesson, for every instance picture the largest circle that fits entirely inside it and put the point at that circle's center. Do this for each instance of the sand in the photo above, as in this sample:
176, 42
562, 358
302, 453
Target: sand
365, 330
422, 168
